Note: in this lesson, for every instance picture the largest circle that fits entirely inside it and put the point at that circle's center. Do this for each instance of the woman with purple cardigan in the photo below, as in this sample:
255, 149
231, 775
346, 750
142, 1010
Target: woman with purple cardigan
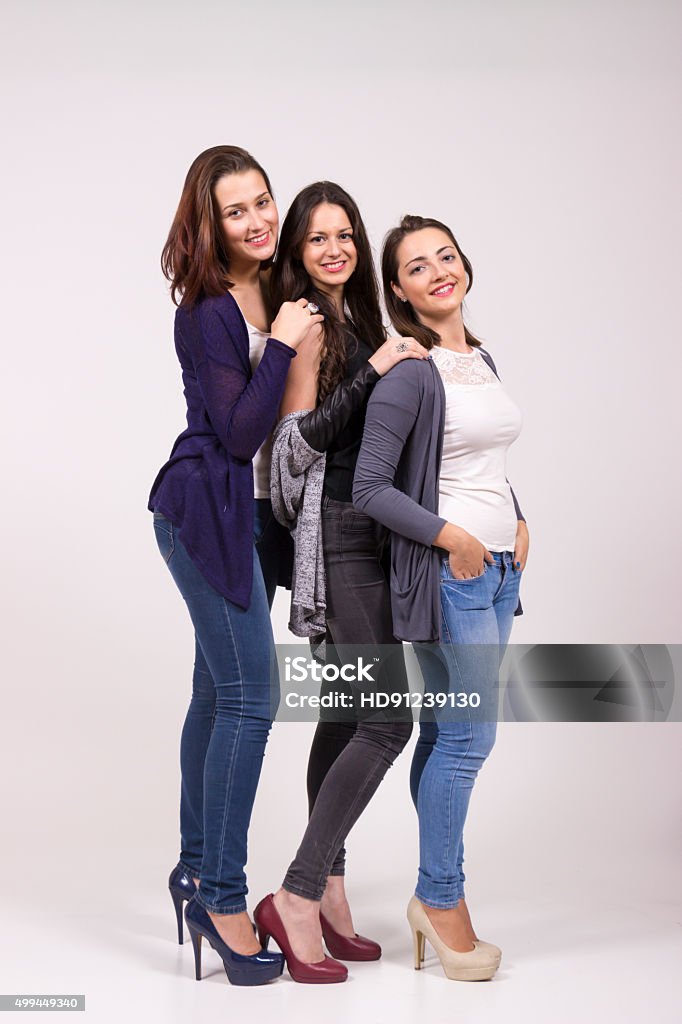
234, 366
432, 469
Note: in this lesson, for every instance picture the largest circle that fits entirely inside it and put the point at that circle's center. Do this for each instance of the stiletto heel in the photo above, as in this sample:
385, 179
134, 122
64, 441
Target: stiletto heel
348, 947
178, 902
476, 964
241, 969
181, 887
269, 923
196, 946
419, 942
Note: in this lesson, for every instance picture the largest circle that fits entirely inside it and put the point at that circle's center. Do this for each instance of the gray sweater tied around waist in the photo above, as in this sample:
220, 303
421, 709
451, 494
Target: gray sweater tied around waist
296, 481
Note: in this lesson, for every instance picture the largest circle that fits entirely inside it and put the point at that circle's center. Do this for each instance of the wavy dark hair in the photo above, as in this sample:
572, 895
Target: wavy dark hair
195, 258
290, 281
402, 315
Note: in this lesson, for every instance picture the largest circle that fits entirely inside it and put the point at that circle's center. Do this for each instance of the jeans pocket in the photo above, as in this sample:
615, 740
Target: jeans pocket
447, 577
472, 579
358, 522
474, 594
165, 537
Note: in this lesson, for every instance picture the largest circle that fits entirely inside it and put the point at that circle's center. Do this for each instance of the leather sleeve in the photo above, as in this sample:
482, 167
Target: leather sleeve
323, 424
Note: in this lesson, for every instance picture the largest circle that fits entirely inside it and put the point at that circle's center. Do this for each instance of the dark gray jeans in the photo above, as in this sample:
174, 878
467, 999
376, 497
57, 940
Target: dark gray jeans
349, 757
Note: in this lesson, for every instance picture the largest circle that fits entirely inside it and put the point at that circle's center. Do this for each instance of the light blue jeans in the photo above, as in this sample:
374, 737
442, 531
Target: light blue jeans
476, 621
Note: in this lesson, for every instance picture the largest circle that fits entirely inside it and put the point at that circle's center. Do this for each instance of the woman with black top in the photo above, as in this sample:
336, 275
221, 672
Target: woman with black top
325, 255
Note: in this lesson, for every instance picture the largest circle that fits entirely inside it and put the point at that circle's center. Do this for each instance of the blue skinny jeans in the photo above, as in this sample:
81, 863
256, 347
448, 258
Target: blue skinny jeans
235, 692
476, 621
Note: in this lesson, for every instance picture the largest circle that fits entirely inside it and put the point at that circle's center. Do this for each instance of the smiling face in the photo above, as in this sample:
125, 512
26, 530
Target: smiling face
328, 252
248, 215
430, 274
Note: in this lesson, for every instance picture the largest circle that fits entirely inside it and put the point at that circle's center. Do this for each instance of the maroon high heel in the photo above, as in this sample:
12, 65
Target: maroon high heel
270, 924
346, 947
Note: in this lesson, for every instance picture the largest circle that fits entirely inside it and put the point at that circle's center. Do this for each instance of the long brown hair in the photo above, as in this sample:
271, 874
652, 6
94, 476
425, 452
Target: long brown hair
403, 317
290, 281
195, 258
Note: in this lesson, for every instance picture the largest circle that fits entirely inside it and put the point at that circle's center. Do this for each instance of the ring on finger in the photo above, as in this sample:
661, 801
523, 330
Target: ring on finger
402, 346
312, 308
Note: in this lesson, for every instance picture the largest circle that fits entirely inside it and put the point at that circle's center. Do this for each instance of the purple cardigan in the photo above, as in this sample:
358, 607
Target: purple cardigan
206, 487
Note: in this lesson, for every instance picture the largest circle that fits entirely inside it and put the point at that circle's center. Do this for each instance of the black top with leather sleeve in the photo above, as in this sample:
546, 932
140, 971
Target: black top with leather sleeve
336, 425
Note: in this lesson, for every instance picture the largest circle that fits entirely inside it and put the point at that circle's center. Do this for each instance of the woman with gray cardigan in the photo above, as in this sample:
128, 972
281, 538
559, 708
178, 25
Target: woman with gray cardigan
432, 469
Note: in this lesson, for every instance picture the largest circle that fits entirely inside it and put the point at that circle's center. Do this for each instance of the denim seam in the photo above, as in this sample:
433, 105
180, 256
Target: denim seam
170, 535
445, 629
230, 780
471, 740
447, 905
240, 909
452, 787
446, 855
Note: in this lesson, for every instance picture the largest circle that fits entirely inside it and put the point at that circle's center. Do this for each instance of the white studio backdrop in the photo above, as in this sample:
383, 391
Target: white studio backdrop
548, 137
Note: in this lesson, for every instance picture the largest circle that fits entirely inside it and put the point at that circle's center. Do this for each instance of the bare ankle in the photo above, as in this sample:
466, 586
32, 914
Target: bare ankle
299, 905
335, 890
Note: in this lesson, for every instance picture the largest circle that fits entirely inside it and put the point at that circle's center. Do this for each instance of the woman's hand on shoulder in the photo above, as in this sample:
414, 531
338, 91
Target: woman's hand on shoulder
309, 352
293, 322
394, 350
300, 391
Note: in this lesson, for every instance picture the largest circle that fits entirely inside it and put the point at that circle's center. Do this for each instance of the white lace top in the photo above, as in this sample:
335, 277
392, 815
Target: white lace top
481, 422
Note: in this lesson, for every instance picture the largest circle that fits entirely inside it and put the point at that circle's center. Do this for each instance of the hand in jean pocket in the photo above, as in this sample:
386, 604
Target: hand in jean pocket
468, 560
467, 555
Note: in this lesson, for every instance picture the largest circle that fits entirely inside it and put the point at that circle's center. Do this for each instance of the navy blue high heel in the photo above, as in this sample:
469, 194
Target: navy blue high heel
182, 888
256, 969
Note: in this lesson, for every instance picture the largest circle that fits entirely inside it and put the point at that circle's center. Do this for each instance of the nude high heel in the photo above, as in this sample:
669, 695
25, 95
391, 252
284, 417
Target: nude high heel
492, 950
475, 965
